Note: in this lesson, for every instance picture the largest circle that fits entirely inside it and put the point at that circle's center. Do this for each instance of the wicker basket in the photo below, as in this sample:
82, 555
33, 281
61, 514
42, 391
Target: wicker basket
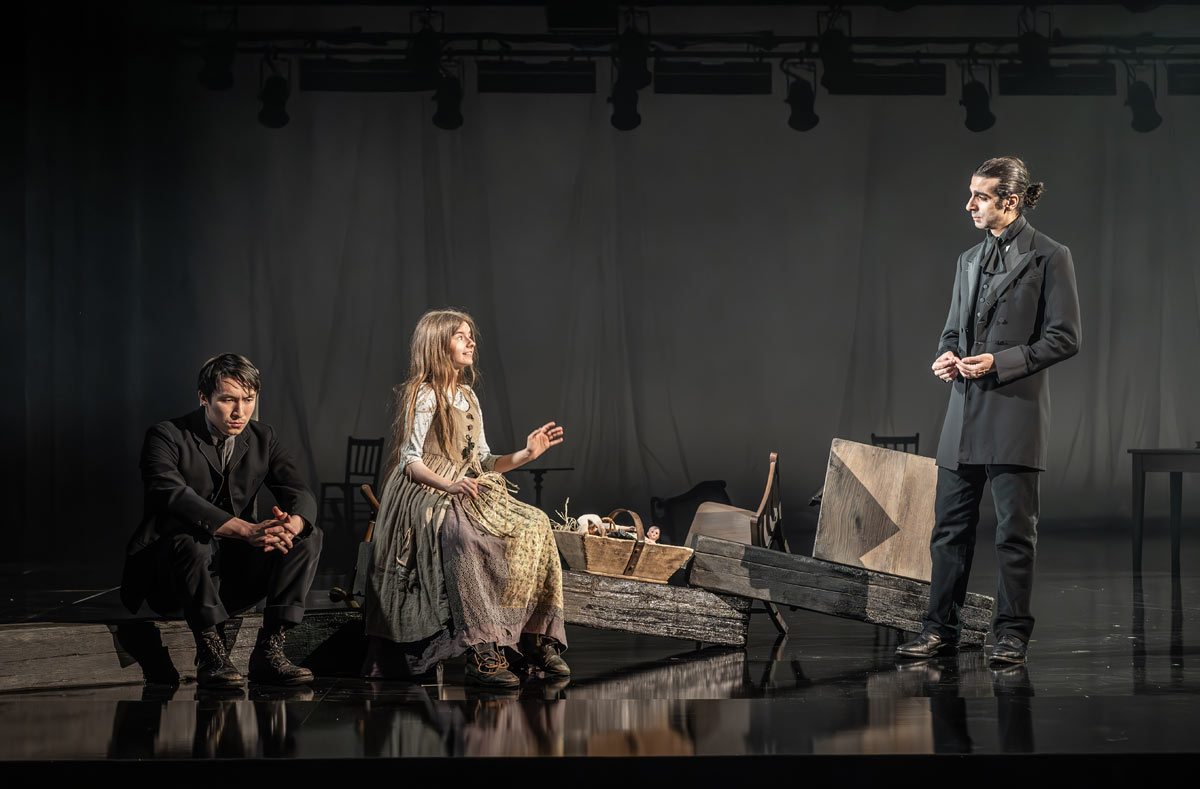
620, 558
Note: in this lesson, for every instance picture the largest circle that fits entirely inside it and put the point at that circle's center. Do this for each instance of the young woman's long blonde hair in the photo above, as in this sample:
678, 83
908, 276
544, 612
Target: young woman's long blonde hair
430, 364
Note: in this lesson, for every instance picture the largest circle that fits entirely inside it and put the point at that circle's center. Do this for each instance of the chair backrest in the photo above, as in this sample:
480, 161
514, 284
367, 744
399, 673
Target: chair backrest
898, 443
363, 458
770, 511
749, 527
373, 505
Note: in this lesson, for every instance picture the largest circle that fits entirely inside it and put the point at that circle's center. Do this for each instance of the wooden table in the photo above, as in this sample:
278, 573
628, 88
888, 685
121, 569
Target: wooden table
1175, 462
538, 473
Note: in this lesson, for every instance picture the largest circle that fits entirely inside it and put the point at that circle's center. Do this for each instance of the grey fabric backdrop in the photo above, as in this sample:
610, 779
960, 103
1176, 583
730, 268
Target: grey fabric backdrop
685, 298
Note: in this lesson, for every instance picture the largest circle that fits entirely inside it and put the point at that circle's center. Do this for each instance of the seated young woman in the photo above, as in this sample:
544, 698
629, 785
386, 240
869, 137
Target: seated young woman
459, 564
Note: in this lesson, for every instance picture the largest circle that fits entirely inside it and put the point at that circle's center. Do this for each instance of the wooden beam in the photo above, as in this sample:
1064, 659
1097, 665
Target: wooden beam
52, 655
654, 609
825, 587
331, 643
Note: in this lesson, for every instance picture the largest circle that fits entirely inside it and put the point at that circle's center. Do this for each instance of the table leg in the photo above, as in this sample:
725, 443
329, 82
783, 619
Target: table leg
1176, 517
1139, 502
537, 487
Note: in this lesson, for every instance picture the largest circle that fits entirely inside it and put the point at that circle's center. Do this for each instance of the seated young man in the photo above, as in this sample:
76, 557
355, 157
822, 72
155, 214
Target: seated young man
201, 547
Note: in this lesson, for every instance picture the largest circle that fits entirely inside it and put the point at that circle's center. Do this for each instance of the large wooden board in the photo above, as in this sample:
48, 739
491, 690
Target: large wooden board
50, 655
825, 587
877, 510
654, 609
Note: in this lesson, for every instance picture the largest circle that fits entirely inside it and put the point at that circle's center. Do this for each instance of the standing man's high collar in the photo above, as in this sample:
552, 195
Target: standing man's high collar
1012, 231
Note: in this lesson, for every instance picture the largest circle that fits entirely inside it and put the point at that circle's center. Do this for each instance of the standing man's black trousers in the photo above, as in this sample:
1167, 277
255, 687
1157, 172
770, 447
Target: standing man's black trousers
952, 546
212, 578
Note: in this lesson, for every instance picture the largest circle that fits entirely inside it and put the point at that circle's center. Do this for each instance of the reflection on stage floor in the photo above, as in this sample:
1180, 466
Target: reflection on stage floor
1113, 669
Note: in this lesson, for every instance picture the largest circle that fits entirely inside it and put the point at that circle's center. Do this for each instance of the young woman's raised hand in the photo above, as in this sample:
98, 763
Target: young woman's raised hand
543, 438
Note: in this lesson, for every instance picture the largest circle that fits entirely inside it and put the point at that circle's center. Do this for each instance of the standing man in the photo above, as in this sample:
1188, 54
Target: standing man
201, 548
1014, 312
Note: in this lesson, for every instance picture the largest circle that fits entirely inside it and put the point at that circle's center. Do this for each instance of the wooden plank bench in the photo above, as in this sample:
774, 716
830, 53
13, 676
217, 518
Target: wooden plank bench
825, 587
330, 642
655, 609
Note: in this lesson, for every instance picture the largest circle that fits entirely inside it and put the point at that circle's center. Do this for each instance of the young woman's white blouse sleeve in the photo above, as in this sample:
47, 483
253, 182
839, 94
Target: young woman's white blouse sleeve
414, 443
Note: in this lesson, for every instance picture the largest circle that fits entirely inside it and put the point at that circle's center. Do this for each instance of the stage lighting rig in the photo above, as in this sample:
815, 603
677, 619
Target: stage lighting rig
424, 53
274, 90
845, 74
801, 95
522, 76
624, 100
1034, 75
837, 59
976, 98
1183, 79
1139, 98
631, 73
218, 50
633, 53
448, 97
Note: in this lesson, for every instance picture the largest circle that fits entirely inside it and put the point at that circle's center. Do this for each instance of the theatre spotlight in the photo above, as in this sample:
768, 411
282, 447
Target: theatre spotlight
624, 99
633, 51
976, 99
424, 53
836, 57
1140, 100
448, 96
219, 50
274, 90
801, 97
1034, 51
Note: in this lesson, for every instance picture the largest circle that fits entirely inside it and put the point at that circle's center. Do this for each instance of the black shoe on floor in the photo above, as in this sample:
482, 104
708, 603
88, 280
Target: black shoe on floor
487, 668
157, 668
214, 669
270, 666
1009, 649
926, 645
540, 652
144, 644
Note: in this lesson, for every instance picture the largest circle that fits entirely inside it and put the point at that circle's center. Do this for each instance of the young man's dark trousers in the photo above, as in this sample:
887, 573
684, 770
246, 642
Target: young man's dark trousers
952, 546
210, 579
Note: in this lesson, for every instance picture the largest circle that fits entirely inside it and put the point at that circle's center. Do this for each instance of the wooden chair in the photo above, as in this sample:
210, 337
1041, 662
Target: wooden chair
363, 459
362, 564
898, 443
762, 527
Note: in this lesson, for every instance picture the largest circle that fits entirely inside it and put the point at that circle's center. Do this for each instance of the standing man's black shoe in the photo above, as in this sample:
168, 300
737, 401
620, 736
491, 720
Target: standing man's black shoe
214, 669
270, 666
926, 645
1009, 649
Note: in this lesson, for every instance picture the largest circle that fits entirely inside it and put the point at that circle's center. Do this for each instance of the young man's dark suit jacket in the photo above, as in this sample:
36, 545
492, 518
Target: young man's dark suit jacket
182, 480
1028, 321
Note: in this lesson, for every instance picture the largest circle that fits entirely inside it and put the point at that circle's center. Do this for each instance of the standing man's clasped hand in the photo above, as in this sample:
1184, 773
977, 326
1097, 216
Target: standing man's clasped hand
976, 366
946, 366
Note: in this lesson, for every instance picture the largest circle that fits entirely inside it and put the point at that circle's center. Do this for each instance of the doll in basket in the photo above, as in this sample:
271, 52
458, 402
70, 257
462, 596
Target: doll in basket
459, 564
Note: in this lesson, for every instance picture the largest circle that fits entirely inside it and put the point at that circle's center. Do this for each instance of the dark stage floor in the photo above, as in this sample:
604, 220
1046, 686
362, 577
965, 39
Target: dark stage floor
1114, 672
